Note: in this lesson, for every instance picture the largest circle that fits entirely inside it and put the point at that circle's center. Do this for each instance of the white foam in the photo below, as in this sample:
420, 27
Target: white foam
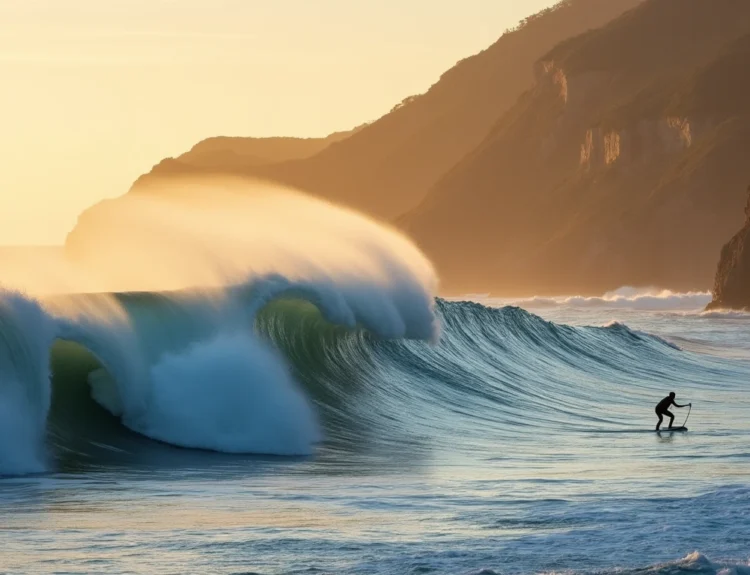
725, 314
647, 299
26, 334
21, 438
232, 394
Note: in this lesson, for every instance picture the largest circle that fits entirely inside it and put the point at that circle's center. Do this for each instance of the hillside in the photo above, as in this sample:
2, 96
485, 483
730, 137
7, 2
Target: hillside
387, 167
230, 155
623, 166
236, 152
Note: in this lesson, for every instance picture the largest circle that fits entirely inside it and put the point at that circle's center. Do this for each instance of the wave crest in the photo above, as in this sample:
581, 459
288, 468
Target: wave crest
647, 299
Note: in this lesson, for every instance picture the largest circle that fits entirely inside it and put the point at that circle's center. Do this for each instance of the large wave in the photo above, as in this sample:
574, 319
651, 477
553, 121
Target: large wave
274, 367
231, 374
181, 362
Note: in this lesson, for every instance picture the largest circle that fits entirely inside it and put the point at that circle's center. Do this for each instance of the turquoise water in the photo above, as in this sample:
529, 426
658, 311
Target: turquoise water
520, 441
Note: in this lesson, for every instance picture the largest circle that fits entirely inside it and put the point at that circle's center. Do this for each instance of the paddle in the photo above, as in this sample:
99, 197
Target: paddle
690, 408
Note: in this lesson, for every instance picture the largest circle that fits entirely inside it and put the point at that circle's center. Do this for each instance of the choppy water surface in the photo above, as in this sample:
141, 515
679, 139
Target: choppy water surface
520, 442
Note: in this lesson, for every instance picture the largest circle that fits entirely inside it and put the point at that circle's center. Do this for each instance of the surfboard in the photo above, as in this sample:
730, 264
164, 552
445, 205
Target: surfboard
670, 429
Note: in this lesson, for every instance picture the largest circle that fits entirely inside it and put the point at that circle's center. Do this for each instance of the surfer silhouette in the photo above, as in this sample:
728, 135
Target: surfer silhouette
662, 409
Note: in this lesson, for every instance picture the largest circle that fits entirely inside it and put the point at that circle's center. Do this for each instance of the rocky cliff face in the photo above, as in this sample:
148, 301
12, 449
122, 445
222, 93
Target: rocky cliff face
732, 284
621, 166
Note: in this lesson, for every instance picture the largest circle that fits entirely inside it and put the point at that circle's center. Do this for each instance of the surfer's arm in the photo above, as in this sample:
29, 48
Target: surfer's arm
678, 405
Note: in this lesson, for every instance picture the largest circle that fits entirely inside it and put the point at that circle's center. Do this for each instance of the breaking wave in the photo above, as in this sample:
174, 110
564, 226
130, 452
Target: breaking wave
187, 369
274, 367
694, 563
146, 328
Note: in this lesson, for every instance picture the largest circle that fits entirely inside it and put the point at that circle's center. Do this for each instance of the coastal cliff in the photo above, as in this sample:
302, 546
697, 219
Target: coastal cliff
732, 284
623, 165
385, 168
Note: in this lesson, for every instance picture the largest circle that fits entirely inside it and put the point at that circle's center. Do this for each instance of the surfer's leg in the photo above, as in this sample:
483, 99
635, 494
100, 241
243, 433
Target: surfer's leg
658, 425
671, 418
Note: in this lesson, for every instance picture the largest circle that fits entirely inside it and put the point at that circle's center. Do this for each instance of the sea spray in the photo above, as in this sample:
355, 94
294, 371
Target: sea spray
213, 232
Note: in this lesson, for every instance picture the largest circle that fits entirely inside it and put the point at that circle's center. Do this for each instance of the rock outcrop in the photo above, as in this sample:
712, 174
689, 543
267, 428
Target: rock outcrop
732, 284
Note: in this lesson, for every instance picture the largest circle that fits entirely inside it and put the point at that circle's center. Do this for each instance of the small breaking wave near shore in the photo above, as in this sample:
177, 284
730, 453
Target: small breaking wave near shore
695, 563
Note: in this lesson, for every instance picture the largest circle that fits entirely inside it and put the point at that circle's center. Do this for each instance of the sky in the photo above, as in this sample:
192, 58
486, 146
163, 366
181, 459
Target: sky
95, 92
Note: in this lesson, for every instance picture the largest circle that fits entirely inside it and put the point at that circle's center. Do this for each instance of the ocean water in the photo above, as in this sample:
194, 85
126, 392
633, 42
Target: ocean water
305, 430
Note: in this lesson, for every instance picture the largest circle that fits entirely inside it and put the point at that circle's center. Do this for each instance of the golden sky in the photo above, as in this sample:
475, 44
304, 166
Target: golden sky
94, 92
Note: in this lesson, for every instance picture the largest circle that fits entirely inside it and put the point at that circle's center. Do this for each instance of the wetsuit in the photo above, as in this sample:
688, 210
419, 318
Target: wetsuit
662, 408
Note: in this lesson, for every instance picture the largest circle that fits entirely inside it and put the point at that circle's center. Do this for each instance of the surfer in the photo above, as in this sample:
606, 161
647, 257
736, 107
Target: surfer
662, 409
